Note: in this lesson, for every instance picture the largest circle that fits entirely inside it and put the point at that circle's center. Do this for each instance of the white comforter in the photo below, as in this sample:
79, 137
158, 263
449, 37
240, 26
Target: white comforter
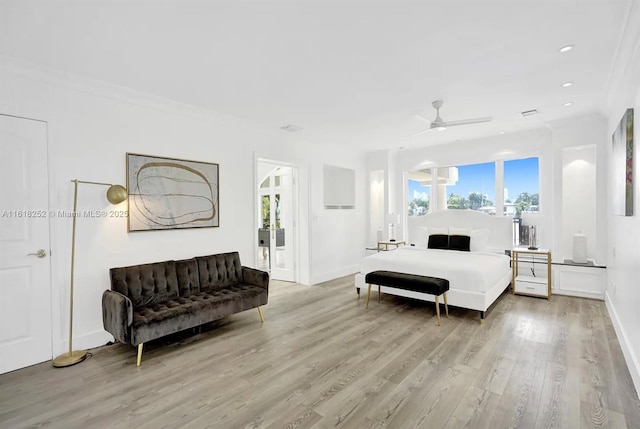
470, 271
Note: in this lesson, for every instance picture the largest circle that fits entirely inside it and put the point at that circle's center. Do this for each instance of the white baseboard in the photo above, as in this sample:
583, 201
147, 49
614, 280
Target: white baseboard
578, 294
325, 277
84, 342
629, 355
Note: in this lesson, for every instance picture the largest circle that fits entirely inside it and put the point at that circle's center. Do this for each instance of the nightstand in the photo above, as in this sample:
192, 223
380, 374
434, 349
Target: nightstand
386, 244
528, 278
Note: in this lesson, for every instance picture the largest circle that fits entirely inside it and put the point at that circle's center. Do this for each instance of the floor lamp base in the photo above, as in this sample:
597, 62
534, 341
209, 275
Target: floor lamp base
68, 359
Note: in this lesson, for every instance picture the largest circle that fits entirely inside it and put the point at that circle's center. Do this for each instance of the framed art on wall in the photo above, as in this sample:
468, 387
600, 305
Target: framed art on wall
167, 193
622, 164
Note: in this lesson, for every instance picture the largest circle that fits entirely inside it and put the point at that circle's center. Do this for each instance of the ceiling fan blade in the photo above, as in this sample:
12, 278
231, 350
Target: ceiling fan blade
422, 132
422, 118
468, 121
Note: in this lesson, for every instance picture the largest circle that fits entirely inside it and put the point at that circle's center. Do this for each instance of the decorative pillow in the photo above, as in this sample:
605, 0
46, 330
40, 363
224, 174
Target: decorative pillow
440, 237
459, 242
438, 241
480, 240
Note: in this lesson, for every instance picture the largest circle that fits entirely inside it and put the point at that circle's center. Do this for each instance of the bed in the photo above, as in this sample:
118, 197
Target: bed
476, 278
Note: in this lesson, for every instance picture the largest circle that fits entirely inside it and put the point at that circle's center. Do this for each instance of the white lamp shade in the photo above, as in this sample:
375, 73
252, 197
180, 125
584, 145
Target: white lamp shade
393, 218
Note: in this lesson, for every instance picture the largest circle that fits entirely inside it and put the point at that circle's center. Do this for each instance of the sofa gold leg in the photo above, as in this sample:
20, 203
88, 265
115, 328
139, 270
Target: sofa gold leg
139, 354
368, 297
446, 307
438, 310
260, 313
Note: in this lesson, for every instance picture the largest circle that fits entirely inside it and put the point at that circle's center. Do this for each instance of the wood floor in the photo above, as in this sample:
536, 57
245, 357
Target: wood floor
321, 360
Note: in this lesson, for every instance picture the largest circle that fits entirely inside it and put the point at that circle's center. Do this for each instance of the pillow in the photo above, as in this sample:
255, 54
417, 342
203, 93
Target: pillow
438, 238
459, 242
422, 238
438, 241
480, 240
459, 231
438, 230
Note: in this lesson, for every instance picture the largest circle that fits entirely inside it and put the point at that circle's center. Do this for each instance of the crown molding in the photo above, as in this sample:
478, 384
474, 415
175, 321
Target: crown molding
24, 69
627, 54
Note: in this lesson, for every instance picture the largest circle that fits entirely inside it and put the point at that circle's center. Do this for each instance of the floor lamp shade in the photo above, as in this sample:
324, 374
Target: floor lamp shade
115, 195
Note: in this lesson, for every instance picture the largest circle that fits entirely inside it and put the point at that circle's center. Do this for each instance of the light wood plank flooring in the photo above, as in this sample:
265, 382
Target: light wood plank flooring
322, 361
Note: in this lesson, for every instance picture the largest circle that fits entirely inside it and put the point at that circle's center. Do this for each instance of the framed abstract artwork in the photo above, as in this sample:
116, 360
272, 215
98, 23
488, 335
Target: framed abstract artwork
167, 193
622, 165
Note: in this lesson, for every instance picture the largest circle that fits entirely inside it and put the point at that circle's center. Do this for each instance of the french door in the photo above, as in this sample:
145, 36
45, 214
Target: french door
277, 224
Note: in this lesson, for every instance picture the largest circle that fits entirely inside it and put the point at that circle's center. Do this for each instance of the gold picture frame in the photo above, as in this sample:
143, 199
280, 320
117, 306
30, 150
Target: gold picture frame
170, 193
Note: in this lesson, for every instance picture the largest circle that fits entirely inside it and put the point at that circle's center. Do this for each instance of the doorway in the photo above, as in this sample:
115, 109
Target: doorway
277, 220
25, 280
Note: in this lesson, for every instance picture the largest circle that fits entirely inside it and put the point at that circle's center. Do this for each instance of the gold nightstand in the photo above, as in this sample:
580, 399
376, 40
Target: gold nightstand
525, 281
387, 243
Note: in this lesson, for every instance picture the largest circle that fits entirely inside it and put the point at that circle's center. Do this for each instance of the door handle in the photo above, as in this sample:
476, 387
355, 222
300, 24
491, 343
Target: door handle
273, 232
40, 253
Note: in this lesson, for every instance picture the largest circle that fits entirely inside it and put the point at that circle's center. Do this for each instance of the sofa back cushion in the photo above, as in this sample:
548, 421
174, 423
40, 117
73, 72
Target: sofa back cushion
219, 271
188, 281
146, 284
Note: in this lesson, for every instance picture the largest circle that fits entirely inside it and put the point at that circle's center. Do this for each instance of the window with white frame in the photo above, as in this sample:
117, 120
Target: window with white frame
470, 187
521, 186
419, 192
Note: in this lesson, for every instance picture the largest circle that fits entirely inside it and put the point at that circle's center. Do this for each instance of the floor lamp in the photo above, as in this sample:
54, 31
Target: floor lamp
115, 194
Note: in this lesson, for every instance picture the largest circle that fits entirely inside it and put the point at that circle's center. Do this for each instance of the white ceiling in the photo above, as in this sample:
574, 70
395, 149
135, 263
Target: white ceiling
350, 72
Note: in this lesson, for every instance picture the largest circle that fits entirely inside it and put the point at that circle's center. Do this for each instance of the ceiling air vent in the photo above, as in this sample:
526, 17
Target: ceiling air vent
529, 112
291, 128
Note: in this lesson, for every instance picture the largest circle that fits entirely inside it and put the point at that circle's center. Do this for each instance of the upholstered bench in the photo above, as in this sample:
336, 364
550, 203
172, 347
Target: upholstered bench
431, 285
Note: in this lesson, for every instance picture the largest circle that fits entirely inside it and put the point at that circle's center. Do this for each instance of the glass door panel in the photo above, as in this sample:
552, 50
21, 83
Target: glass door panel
276, 226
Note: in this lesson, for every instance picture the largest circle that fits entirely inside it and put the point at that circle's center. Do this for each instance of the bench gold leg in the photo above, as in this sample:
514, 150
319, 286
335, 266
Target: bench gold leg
446, 307
438, 310
368, 296
260, 313
139, 354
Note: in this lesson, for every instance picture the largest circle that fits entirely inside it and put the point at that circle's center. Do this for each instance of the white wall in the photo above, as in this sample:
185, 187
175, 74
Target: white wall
502, 147
579, 198
377, 165
549, 145
623, 252
341, 234
568, 134
91, 127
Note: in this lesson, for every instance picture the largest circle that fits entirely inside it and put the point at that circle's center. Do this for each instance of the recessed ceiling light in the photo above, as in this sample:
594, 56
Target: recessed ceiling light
529, 112
501, 132
568, 103
441, 128
566, 48
567, 84
291, 128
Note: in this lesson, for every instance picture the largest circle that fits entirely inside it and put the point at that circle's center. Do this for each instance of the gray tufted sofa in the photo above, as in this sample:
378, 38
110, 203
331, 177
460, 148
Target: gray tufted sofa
152, 300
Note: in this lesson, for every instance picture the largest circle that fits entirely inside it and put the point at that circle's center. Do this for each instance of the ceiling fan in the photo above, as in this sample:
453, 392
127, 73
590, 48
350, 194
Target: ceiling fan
440, 125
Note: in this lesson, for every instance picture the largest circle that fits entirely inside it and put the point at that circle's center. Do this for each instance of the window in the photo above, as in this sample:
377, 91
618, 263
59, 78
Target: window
419, 196
521, 187
470, 187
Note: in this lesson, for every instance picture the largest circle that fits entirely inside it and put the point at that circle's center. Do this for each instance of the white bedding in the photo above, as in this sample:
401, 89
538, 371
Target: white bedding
469, 271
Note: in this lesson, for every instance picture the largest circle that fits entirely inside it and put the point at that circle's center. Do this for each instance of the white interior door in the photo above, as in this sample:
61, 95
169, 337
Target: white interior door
277, 224
25, 283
